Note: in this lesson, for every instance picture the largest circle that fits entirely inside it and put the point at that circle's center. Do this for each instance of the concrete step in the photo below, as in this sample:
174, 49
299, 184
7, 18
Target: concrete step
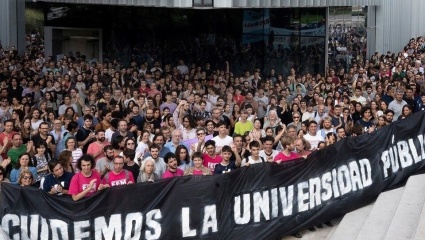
319, 234
420, 230
351, 223
376, 225
407, 216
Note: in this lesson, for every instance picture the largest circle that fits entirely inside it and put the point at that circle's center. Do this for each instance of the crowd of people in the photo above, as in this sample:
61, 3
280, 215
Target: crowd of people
74, 127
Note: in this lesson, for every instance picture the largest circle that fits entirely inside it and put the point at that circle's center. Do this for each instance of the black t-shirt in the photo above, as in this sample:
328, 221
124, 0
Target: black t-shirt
133, 169
37, 138
81, 135
246, 154
220, 169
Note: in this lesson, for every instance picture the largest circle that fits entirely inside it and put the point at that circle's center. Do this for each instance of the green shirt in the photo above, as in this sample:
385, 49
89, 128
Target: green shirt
14, 153
243, 127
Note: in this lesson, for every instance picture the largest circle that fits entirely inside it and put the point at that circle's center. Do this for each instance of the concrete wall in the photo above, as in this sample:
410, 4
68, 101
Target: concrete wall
396, 22
12, 24
61, 40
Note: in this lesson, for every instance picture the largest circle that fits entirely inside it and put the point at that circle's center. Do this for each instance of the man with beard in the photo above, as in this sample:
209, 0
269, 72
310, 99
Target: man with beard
46, 139
160, 165
96, 148
105, 164
149, 118
172, 169
249, 99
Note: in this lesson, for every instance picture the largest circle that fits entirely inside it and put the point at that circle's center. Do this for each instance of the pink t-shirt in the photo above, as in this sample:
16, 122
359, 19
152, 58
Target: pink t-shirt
198, 172
282, 157
210, 162
79, 183
168, 174
118, 179
95, 148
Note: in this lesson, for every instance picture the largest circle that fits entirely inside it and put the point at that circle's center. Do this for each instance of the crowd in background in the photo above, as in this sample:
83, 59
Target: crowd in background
75, 125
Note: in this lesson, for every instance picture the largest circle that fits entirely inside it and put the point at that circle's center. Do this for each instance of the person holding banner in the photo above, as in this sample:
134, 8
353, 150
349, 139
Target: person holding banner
118, 176
226, 165
58, 181
211, 158
312, 137
25, 178
287, 153
198, 168
147, 171
172, 169
255, 155
86, 182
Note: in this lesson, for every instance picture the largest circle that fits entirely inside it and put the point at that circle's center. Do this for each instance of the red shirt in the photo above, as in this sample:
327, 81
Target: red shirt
210, 162
2, 137
239, 99
282, 157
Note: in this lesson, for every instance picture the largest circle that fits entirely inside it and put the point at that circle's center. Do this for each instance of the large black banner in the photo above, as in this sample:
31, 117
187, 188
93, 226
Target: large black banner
263, 201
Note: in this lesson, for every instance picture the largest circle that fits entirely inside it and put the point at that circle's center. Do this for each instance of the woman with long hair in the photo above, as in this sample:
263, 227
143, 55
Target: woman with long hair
17, 117
143, 144
51, 102
42, 106
283, 111
183, 158
70, 112
295, 108
236, 114
26, 130
381, 122
147, 171
406, 112
118, 145
26, 178
272, 120
16, 105
157, 100
71, 145
257, 133
22, 164
65, 159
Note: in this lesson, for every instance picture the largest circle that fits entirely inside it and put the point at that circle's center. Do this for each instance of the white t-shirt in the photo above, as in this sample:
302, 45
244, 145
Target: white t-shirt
36, 125
108, 134
221, 142
268, 158
251, 161
313, 140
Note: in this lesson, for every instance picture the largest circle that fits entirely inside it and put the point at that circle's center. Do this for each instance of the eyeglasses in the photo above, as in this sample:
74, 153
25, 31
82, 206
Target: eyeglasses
199, 134
296, 117
26, 178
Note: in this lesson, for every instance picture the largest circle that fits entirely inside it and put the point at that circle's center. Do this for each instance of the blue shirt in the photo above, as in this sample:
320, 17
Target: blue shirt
64, 180
14, 175
172, 148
